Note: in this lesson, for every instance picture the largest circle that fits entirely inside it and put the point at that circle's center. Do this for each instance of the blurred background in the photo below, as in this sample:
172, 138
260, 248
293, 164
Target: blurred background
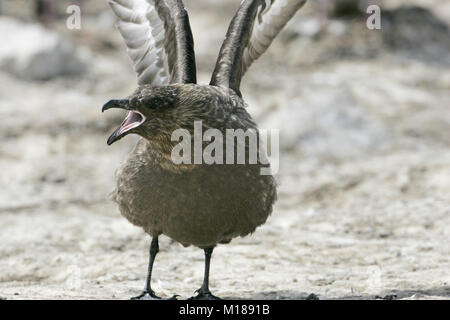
364, 119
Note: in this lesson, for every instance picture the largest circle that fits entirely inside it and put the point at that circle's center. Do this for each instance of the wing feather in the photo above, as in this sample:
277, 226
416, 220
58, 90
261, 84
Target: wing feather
158, 38
251, 32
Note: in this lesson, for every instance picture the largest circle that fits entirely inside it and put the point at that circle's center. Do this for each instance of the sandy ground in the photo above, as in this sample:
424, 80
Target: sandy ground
364, 197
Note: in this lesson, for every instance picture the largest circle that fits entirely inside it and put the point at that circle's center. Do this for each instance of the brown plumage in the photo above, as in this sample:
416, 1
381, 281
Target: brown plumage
194, 204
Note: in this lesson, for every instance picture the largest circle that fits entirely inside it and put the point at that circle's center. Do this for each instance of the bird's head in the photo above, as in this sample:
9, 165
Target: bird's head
153, 113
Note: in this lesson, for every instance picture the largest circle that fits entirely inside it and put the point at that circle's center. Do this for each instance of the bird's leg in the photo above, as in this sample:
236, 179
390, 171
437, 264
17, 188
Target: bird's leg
203, 292
148, 293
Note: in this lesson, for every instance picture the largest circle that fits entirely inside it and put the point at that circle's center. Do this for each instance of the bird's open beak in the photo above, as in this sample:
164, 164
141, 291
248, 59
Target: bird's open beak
133, 119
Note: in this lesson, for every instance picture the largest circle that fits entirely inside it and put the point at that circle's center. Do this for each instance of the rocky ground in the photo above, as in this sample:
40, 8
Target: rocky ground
364, 197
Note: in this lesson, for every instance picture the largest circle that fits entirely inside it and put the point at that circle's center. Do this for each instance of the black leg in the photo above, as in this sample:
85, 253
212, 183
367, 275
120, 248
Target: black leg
203, 292
148, 293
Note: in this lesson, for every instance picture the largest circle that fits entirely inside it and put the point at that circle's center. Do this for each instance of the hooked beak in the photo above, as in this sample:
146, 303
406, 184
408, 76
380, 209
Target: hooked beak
116, 104
133, 120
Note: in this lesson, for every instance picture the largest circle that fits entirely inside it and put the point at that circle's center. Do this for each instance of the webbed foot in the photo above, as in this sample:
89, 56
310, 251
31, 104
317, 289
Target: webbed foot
204, 295
150, 295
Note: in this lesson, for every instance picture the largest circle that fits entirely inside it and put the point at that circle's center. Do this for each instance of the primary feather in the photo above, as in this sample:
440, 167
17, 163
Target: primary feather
251, 32
158, 39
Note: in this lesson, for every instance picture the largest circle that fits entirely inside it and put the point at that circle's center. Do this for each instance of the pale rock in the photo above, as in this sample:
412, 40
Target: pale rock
30, 51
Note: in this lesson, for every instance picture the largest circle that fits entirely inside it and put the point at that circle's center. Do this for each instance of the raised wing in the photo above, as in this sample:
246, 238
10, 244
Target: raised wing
251, 32
159, 39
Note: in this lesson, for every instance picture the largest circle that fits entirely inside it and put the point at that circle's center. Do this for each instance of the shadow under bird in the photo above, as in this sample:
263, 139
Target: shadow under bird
194, 204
